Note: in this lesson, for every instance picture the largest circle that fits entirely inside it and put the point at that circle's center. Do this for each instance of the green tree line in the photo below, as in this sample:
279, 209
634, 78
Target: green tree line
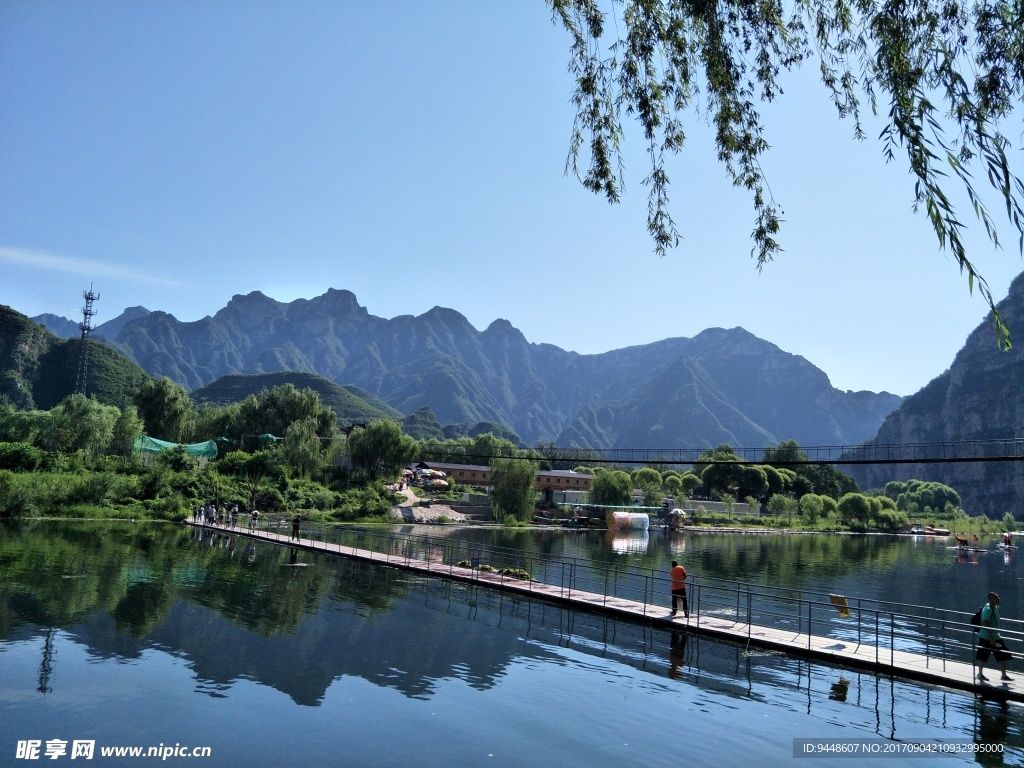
785, 485
281, 449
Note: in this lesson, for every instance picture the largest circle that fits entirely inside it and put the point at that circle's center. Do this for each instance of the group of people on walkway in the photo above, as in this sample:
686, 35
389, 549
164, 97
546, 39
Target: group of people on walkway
210, 514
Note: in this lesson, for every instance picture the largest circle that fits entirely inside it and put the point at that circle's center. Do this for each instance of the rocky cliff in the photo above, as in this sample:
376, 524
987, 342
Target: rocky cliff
980, 397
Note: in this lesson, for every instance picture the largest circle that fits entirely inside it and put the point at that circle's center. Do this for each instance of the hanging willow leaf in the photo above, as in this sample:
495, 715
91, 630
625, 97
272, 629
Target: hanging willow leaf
951, 73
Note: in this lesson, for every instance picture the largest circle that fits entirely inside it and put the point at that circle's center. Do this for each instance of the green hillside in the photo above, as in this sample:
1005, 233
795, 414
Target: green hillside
39, 369
349, 407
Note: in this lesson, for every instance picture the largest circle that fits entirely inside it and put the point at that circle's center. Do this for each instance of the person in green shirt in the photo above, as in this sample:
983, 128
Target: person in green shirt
989, 641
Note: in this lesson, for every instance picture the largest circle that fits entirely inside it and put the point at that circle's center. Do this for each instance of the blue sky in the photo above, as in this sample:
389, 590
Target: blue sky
176, 154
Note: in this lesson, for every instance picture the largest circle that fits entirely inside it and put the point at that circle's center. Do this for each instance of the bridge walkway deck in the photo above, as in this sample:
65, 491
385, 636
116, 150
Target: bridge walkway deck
896, 663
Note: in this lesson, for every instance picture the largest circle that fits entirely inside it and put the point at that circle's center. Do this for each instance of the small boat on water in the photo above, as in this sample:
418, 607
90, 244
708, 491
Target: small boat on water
928, 530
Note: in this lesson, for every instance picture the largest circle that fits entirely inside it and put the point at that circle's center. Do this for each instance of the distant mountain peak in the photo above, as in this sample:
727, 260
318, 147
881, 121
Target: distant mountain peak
136, 311
250, 310
160, 316
723, 384
340, 293
504, 329
111, 328
339, 303
58, 325
446, 315
253, 298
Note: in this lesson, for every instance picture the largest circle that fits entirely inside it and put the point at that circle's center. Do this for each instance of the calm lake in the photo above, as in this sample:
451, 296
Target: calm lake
127, 635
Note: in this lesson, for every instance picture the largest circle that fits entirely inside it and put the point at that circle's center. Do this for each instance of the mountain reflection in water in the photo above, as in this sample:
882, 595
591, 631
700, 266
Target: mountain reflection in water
159, 633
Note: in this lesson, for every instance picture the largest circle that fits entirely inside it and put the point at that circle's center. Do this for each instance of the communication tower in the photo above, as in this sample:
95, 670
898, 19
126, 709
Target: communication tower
82, 382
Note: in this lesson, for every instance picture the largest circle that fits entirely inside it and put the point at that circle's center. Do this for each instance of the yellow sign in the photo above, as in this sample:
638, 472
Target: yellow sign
840, 602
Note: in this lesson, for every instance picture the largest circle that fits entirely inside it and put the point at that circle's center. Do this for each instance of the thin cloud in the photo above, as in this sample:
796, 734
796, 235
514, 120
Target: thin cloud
77, 266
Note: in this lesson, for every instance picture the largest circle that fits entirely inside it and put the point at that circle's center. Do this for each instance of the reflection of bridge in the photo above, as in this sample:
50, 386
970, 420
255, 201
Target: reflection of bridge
907, 641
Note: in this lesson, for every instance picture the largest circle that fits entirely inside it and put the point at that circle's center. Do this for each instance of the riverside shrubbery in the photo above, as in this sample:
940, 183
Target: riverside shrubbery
20, 457
278, 450
79, 486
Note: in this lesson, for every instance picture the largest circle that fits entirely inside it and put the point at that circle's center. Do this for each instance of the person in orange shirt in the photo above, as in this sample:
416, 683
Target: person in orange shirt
678, 575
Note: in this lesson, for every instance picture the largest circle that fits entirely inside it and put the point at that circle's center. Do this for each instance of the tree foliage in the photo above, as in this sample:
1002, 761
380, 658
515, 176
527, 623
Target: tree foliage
611, 487
251, 469
943, 76
718, 469
812, 506
914, 495
751, 481
127, 429
82, 423
302, 450
822, 479
22, 426
274, 410
556, 457
854, 506
380, 450
166, 410
648, 480
690, 482
20, 457
478, 450
513, 488
673, 484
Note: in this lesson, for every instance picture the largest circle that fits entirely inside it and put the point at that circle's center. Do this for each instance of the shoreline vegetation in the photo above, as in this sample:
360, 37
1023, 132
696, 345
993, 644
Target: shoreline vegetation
170, 486
282, 452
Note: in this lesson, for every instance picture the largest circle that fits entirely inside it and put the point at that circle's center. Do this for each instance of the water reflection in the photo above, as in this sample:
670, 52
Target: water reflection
906, 569
992, 729
243, 619
677, 654
840, 690
626, 542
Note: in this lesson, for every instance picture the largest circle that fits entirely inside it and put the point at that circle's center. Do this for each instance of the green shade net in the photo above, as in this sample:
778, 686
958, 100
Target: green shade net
146, 444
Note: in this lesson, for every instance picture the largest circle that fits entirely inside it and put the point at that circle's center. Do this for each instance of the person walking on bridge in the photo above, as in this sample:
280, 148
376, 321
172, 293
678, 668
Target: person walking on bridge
678, 576
989, 641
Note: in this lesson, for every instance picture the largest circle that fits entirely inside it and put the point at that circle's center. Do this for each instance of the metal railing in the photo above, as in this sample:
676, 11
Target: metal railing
886, 627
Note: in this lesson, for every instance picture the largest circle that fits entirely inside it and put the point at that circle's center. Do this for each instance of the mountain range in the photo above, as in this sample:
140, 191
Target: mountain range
722, 385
